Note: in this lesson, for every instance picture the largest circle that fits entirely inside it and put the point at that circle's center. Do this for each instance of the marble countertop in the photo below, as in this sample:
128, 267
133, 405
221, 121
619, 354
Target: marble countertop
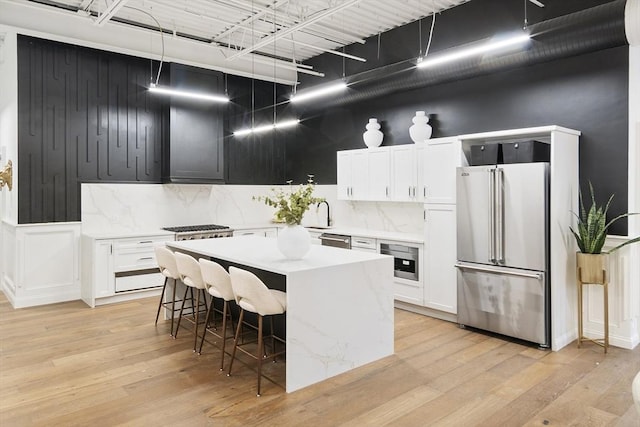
127, 234
262, 253
349, 231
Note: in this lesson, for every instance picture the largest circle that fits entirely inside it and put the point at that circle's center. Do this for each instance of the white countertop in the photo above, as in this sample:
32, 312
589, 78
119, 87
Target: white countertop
262, 253
128, 234
349, 231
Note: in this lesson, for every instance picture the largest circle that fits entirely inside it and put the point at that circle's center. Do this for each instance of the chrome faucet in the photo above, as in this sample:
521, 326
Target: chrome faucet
328, 212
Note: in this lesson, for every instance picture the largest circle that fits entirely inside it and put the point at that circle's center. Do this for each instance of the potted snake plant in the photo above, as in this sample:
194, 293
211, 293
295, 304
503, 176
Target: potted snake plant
591, 233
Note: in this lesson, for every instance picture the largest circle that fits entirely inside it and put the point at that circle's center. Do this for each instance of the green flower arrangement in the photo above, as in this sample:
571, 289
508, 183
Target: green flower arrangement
291, 205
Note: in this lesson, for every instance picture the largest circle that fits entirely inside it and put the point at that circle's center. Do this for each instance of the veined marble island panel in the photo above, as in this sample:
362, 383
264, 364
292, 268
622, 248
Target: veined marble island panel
339, 303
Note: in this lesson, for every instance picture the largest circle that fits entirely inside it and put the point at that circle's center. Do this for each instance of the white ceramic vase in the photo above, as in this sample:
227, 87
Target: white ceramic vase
373, 137
294, 241
420, 130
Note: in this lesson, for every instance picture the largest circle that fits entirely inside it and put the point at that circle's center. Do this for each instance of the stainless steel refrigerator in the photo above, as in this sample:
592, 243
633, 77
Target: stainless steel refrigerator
503, 249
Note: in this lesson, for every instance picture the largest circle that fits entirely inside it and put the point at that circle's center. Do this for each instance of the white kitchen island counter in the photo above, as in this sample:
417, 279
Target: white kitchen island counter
339, 303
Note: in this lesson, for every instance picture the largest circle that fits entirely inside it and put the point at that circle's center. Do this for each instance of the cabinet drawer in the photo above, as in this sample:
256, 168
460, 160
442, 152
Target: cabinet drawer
136, 254
134, 260
404, 291
364, 242
138, 281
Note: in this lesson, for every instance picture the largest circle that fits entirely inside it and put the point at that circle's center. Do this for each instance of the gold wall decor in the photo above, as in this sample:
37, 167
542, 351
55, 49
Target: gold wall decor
6, 176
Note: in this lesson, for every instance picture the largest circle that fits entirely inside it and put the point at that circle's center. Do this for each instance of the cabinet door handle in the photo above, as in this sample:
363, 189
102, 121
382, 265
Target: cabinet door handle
386, 191
145, 241
424, 191
145, 258
409, 191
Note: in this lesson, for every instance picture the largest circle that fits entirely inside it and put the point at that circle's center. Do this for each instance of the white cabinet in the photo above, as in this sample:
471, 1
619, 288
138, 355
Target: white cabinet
404, 173
263, 232
363, 174
120, 268
440, 159
103, 278
378, 174
364, 244
440, 290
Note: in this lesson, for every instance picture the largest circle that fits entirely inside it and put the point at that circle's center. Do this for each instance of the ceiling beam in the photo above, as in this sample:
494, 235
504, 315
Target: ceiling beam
111, 10
271, 39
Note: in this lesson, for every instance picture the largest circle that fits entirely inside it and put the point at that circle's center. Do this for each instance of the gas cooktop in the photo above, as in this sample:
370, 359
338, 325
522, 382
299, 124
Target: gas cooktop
192, 228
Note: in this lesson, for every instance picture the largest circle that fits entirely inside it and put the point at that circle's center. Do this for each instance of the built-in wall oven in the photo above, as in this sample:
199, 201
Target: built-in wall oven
406, 260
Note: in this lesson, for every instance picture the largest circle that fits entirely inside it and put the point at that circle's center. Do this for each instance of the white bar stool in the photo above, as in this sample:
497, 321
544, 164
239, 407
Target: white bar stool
190, 275
218, 283
252, 295
168, 268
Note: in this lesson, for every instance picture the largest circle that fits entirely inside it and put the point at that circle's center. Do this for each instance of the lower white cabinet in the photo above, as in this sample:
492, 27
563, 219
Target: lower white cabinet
118, 269
263, 232
440, 287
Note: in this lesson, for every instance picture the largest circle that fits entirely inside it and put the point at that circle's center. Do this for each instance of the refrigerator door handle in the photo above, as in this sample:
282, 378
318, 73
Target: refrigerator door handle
489, 269
499, 216
492, 215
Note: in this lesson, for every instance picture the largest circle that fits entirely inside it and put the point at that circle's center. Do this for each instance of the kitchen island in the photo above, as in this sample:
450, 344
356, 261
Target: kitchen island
339, 302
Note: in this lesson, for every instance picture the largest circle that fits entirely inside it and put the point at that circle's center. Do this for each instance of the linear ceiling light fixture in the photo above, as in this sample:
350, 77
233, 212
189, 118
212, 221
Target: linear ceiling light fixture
155, 88
321, 91
187, 94
473, 51
258, 129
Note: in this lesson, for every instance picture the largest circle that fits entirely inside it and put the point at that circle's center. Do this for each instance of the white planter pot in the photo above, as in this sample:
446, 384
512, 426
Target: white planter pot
294, 241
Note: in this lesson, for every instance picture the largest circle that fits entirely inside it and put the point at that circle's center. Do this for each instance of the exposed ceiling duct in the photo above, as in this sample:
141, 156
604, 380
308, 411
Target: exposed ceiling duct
589, 30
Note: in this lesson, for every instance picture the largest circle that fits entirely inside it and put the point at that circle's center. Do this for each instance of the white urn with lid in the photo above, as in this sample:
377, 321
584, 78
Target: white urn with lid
373, 136
420, 130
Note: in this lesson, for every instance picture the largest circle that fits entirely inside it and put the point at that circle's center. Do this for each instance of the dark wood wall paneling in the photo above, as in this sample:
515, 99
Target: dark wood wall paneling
84, 116
587, 92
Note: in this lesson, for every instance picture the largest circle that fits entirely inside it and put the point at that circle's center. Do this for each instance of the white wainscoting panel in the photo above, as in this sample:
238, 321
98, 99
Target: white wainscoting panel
623, 304
42, 263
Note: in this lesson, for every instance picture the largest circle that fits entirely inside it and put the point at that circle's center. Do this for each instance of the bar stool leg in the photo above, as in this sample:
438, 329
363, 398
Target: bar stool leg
259, 354
195, 321
173, 305
206, 323
225, 310
235, 341
161, 298
184, 299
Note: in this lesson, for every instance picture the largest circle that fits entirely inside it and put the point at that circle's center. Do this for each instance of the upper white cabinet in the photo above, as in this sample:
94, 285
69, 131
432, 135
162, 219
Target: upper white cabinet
423, 172
405, 182
363, 174
441, 158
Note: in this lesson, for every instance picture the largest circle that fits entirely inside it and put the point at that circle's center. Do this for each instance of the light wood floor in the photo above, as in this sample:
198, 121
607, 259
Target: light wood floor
67, 364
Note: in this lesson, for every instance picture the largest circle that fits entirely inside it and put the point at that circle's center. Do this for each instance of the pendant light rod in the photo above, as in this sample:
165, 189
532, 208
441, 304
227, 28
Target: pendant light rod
320, 91
457, 54
187, 94
259, 129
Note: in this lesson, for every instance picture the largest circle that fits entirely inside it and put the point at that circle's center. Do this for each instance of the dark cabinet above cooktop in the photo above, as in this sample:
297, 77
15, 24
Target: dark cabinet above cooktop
194, 151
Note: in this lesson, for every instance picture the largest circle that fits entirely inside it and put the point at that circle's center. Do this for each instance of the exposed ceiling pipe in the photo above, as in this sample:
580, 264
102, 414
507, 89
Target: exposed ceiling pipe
589, 30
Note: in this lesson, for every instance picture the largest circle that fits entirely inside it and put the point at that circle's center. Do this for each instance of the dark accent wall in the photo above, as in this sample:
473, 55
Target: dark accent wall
83, 116
588, 93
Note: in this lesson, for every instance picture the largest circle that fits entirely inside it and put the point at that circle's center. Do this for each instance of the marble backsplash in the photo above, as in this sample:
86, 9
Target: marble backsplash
121, 208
